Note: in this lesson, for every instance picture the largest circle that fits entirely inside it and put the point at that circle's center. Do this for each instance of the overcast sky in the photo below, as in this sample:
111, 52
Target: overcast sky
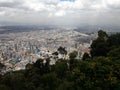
61, 12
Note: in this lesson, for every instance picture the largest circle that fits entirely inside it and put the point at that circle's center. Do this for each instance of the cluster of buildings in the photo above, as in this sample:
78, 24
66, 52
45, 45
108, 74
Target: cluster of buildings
19, 49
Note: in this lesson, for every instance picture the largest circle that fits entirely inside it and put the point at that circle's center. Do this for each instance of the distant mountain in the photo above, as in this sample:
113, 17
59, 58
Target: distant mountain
83, 29
15, 29
96, 28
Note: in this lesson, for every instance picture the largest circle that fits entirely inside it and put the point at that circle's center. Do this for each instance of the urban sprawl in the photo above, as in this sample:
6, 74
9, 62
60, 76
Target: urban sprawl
19, 49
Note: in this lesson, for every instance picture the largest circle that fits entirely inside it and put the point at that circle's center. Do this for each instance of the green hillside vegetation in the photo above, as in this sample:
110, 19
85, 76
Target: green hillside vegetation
101, 71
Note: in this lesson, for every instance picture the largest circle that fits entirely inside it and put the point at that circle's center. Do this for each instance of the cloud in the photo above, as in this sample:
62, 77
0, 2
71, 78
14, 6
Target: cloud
60, 13
113, 4
59, 5
80, 10
2, 13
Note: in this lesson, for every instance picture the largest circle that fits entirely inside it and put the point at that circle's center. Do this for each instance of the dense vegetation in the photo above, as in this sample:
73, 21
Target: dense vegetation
101, 71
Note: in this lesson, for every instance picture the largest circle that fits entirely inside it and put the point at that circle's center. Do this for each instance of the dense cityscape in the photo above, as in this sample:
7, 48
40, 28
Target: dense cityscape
19, 49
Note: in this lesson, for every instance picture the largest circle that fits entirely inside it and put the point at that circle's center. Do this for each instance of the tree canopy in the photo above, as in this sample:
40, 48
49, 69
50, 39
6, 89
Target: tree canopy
102, 72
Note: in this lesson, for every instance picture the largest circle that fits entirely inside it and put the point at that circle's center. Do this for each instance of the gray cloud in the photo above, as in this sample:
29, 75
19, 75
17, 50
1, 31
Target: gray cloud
60, 12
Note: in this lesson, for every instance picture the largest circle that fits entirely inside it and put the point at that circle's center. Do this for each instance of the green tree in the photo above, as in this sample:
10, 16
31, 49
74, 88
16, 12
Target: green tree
49, 81
61, 68
62, 50
4, 87
73, 60
30, 86
39, 63
73, 55
86, 56
114, 41
115, 54
102, 34
29, 66
65, 85
99, 47
1, 66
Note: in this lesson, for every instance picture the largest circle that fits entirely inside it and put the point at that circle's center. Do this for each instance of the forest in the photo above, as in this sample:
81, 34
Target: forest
98, 71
